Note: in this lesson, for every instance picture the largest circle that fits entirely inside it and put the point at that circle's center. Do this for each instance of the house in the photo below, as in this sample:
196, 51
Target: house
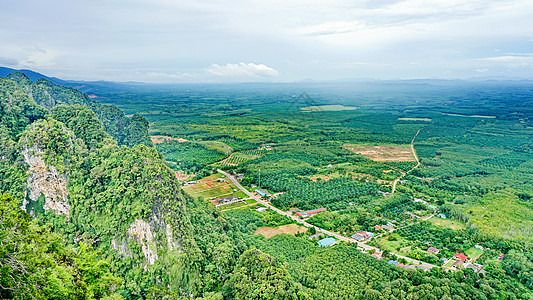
220, 179
457, 264
442, 216
422, 268
376, 256
478, 247
227, 199
460, 256
376, 227
501, 256
410, 267
421, 200
358, 237
261, 209
316, 236
293, 210
308, 213
263, 193
433, 207
253, 186
392, 262
400, 265
475, 267
326, 242
386, 227
433, 250
383, 193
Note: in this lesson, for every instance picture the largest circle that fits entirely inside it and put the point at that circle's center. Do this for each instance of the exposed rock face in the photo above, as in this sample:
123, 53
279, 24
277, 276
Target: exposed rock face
171, 244
141, 231
46, 180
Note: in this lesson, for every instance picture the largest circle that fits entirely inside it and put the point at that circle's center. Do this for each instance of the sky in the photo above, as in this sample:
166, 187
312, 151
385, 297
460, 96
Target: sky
268, 41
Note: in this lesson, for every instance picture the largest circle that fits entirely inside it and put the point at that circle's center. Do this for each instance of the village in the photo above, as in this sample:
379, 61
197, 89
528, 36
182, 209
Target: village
225, 193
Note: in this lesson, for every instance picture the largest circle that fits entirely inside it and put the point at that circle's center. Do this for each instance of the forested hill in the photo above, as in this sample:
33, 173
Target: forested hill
127, 131
87, 192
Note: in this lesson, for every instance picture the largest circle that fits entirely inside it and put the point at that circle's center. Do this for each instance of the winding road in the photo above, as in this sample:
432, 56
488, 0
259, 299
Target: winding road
318, 229
417, 163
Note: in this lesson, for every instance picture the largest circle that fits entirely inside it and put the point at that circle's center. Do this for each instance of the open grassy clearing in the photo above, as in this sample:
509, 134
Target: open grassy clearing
392, 246
237, 158
473, 253
291, 229
448, 223
327, 108
415, 119
209, 187
470, 116
249, 203
217, 146
384, 153
158, 139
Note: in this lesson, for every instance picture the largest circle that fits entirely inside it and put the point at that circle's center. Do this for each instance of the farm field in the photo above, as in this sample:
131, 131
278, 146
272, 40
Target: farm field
209, 187
317, 108
447, 223
384, 153
291, 229
473, 144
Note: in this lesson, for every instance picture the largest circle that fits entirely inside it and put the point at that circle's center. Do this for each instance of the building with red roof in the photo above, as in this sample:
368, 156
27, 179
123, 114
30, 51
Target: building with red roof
460, 256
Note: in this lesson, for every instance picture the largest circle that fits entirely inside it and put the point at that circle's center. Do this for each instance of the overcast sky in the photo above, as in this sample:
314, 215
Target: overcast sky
267, 40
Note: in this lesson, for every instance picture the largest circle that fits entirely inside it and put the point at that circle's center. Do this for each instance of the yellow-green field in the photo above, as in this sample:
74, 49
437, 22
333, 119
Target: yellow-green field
209, 187
327, 108
473, 253
384, 153
448, 223
269, 232
415, 119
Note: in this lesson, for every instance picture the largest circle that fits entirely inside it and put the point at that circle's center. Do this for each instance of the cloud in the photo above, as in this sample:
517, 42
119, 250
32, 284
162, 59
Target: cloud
38, 58
511, 57
250, 70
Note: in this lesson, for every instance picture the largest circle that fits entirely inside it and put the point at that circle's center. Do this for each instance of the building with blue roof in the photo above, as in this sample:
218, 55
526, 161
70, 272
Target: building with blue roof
329, 241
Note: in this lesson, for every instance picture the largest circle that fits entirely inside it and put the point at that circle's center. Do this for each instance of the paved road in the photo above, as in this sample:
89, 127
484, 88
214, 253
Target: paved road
417, 163
318, 229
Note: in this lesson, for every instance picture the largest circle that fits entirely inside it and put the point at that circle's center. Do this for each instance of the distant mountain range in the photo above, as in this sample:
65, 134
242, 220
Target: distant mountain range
32, 75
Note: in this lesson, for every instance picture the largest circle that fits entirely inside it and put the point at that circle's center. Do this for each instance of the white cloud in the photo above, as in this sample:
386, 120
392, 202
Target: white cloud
38, 58
240, 70
512, 57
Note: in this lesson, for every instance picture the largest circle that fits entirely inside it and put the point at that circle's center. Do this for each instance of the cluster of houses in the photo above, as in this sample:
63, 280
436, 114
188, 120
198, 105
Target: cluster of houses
239, 176
389, 226
307, 213
362, 236
403, 266
225, 200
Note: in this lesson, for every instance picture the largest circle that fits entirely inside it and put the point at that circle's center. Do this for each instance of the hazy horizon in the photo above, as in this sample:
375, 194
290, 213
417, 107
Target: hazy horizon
268, 41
